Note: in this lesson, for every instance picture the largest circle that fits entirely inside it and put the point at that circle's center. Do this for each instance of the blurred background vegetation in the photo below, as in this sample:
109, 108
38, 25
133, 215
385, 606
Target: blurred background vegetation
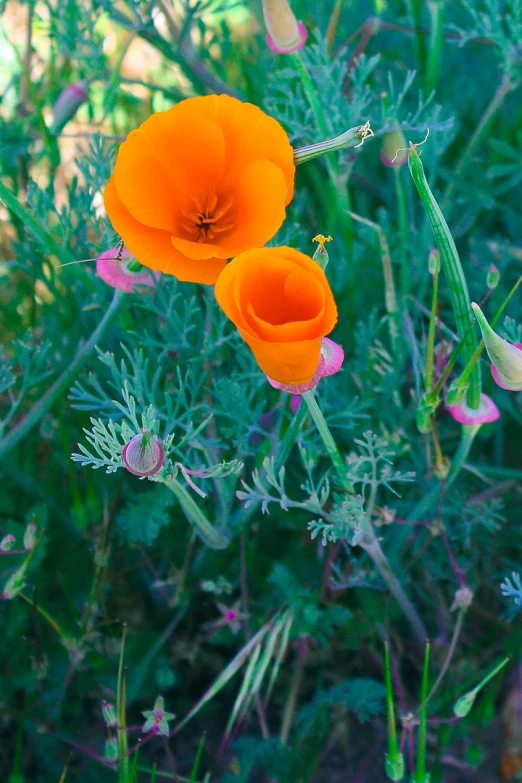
118, 561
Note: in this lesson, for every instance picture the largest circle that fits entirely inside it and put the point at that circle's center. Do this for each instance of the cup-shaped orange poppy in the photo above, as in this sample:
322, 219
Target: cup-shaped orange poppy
282, 305
200, 183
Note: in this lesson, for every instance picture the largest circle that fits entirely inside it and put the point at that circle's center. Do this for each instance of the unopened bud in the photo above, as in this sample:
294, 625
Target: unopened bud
463, 705
394, 151
493, 277
456, 392
321, 254
394, 767
434, 261
463, 599
506, 359
111, 750
442, 468
425, 411
30, 536
143, 455
109, 714
285, 33
13, 585
7, 543
67, 104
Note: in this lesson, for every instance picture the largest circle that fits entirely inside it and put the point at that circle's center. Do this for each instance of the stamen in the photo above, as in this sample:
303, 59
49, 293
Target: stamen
203, 221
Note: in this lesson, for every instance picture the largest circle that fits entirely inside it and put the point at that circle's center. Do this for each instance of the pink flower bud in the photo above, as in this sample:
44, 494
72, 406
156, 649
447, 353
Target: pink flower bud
506, 358
285, 33
143, 455
394, 150
30, 536
331, 359
114, 266
67, 104
485, 413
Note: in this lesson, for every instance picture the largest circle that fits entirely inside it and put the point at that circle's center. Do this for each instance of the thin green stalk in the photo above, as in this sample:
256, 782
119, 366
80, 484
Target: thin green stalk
332, 25
420, 43
403, 230
121, 733
467, 436
62, 383
295, 685
390, 296
369, 541
394, 760
435, 44
452, 268
210, 535
431, 330
505, 87
420, 765
39, 231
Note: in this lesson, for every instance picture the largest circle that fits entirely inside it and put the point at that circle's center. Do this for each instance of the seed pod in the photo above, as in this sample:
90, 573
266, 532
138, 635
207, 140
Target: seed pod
143, 455
7, 543
30, 536
109, 714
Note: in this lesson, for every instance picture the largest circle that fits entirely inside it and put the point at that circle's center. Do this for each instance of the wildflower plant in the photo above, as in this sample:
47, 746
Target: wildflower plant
259, 410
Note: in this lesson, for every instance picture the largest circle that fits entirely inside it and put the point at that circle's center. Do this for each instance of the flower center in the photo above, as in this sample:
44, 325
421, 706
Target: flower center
208, 218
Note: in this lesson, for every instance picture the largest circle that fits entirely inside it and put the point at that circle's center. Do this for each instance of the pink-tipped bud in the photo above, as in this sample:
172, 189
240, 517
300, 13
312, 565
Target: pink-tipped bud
331, 359
143, 455
7, 543
285, 33
506, 358
485, 413
493, 277
118, 268
67, 104
30, 536
394, 150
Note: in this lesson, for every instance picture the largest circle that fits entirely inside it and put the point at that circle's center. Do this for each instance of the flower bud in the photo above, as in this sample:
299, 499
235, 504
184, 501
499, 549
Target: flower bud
111, 750
506, 358
456, 392
14, 585
321, 254
434, 261
463, 599
463, 705
394, 150
493, 277
118, 268
30, 536
485, 413
67, 104
143, 455
109, 714
7, 543
425, 411
394, 767
285, 33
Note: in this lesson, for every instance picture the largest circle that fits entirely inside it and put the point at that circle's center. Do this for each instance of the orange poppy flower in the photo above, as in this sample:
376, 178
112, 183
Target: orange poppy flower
200, 183
282, 304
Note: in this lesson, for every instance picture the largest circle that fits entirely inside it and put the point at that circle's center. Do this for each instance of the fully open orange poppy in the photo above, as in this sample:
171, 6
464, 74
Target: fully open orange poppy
200, 183
282, 304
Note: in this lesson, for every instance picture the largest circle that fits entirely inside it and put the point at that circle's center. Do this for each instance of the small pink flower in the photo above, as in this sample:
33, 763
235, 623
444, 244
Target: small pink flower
332, 357
485, 413
114, 270
231, 616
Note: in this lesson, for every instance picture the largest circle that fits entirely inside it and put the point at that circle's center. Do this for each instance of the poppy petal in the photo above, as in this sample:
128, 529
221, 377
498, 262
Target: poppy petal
153, 247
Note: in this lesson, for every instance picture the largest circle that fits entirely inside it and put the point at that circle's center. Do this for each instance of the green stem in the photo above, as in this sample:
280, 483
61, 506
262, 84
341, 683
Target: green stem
369, 541
467, 436
403, 230
62, 383
431, 77
210, 535
431, 330
452, 267
505, 86
420, 43
39, 231
390, 296
420, 765
332, 25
